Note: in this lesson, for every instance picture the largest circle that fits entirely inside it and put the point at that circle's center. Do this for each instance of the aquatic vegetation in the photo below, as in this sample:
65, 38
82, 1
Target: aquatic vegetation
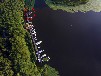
90, 5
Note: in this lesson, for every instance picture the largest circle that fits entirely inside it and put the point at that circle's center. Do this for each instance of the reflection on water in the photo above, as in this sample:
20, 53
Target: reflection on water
73, 41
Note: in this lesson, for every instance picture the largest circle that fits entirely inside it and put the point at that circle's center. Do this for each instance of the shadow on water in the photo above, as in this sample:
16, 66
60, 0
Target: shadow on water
73, 41
40, 4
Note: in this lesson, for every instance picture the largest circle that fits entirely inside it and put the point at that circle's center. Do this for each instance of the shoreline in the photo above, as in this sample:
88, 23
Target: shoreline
89, 6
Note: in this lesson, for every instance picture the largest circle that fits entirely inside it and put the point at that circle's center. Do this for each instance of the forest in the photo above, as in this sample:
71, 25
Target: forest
17, 56
75, 6
70, 2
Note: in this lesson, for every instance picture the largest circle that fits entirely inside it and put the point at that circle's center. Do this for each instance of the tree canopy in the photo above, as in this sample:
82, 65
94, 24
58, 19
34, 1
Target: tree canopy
81, 5
69, 2
17, 56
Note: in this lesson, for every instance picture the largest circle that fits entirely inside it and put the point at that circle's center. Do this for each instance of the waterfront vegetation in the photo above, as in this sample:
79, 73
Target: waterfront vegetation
17, 54
70, 2
76, 6
29, 3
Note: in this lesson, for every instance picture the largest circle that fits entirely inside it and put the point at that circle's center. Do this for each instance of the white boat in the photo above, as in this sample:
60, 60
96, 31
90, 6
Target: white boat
38, 42
43, 55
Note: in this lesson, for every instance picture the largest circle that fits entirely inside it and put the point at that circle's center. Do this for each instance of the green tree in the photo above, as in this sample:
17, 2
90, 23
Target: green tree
5, 67
46, 70
17, 54
69, 2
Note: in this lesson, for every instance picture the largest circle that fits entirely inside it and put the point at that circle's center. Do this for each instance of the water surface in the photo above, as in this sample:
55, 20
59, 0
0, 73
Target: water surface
73, 41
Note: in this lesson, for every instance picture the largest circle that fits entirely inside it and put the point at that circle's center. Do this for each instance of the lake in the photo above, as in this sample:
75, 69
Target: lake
73, 41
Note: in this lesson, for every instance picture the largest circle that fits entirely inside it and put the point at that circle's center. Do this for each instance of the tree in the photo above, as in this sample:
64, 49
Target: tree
70, 2
17, 54
13, 46
46, 70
